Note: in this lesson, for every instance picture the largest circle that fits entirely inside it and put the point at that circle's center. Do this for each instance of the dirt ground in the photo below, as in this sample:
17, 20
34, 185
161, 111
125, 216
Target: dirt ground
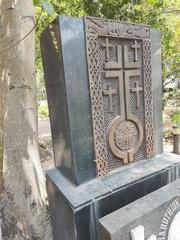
45, 144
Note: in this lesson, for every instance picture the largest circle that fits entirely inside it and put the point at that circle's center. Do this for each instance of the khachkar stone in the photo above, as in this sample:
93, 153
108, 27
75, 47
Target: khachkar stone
119, 56
99, 87
99, 84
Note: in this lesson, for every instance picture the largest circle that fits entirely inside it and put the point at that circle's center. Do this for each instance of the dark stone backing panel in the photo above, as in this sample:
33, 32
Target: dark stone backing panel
64, 60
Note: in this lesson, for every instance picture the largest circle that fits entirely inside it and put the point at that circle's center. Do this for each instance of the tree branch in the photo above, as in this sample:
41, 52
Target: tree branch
23, 38
176, 11
166, 83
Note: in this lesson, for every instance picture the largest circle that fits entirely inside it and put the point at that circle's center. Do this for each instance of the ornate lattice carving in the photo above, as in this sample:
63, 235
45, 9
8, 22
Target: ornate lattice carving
148, 99
96, 104
118, 91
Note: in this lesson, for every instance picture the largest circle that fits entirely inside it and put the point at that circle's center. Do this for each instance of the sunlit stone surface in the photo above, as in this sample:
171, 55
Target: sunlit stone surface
174, 230
138, 234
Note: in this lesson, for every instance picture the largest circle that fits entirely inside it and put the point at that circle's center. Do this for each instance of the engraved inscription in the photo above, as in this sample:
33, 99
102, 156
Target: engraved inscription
167, 221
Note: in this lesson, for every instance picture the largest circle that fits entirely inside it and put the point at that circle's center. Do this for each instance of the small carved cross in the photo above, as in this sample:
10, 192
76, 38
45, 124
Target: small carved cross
137, 90
136, 46
107, 46
110, 92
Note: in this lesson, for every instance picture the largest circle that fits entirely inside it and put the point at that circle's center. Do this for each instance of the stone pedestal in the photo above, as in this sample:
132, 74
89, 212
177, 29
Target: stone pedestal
75, 210
153, 217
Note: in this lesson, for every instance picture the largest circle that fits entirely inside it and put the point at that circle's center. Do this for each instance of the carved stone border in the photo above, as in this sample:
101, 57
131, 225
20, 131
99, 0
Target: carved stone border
106, 27
148, 104
96, 104
95, 27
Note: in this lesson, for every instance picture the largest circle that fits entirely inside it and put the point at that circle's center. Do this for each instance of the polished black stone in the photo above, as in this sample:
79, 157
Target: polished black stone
75, 210
64, 59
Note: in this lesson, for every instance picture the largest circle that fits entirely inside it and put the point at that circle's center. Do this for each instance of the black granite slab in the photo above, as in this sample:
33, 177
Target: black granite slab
65, 66
83, 205
154, 213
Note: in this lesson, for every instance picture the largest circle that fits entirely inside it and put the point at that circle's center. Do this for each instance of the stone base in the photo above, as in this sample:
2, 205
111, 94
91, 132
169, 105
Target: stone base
155, 216
75, 210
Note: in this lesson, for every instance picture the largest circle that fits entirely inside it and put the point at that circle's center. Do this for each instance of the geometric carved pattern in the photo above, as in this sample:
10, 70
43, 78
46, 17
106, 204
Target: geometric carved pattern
148, 99
120, 90
96, 99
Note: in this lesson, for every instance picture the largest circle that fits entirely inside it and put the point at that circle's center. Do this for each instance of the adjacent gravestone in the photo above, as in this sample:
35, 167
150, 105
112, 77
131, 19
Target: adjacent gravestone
103, 81
153, 217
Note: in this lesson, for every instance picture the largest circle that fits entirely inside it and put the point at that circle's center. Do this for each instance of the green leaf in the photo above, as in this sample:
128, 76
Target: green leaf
47, 6
176, 118
35, 2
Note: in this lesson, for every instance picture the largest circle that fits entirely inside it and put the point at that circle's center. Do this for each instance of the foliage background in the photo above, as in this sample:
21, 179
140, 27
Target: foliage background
162, 14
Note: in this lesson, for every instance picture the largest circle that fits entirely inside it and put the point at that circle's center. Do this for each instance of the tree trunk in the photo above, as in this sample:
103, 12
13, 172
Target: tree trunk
23, 203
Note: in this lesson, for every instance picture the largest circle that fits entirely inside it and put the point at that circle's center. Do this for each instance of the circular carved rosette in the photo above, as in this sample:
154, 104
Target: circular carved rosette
125, 137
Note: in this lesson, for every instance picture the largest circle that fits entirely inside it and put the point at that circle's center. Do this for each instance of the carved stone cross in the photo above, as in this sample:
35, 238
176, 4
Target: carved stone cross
107, 46
110, 92
136, 46
138, 234
137, 90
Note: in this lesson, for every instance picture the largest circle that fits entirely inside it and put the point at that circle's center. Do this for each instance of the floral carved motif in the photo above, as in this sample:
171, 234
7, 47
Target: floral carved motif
126, 135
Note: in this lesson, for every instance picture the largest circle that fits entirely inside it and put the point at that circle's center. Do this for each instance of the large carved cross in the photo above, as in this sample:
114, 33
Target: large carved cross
123, 69
110, 92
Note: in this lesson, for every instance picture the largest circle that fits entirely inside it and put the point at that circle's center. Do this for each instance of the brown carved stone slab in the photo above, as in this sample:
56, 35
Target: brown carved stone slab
118, 55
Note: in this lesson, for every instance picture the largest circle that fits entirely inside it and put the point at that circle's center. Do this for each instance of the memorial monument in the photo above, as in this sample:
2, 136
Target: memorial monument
103, 81
152, 220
